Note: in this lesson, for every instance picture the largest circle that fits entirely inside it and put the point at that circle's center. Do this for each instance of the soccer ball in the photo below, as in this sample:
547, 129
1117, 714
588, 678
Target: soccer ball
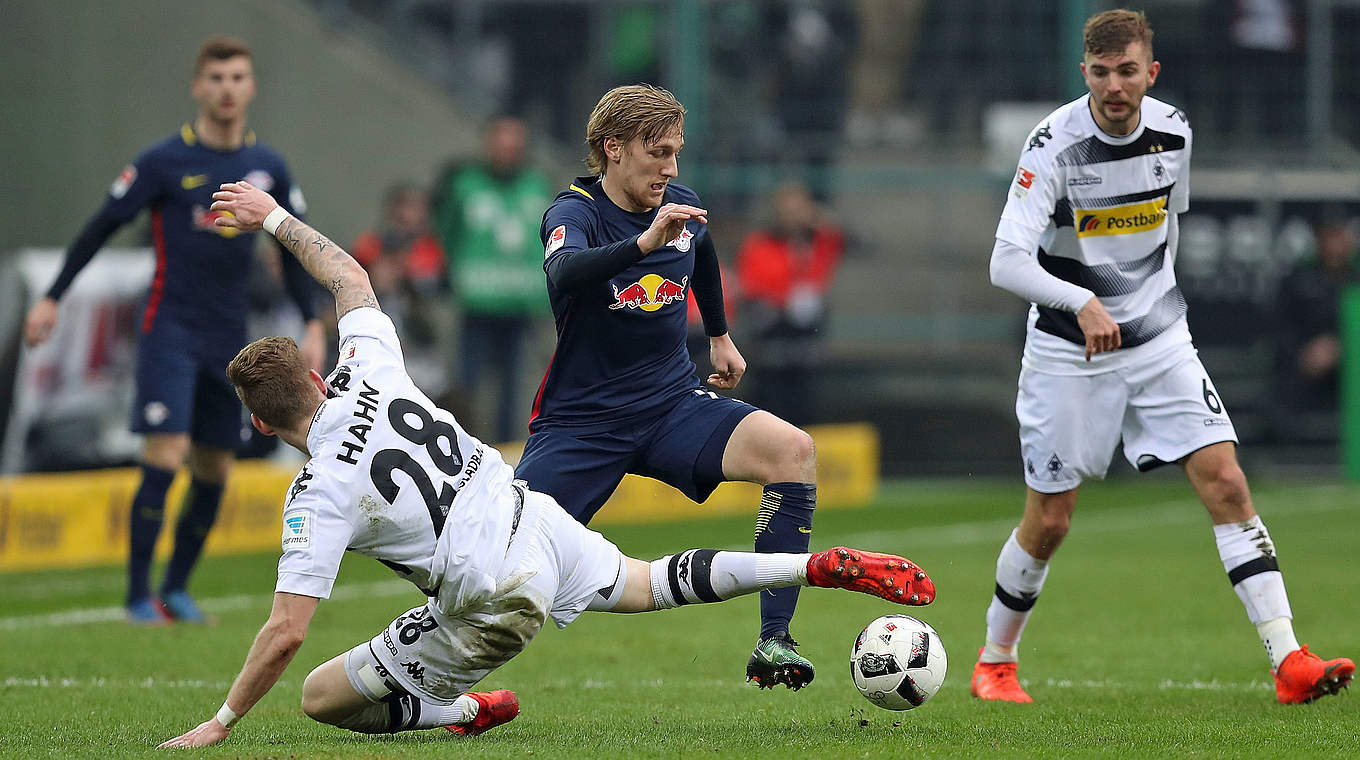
898, 662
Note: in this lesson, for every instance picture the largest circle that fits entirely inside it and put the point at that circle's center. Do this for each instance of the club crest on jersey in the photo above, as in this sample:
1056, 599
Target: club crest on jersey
124, 181
555, 240
681, 241
297, 530
650, 293
261, 179
203, 220
1120, 220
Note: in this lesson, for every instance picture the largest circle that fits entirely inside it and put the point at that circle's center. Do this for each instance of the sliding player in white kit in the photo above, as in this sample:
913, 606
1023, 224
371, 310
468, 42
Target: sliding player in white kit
1089, 236
394, 477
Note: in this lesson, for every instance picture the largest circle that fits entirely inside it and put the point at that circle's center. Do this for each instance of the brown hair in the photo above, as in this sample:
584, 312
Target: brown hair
219, 48
635, 110
1112, 31
273, 381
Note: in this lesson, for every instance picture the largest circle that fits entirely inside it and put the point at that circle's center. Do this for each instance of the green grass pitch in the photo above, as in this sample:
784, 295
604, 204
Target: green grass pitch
1138, 648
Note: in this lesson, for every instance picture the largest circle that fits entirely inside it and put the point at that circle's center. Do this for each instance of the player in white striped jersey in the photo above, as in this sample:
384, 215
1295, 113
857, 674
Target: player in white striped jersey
1089, 236
394, 477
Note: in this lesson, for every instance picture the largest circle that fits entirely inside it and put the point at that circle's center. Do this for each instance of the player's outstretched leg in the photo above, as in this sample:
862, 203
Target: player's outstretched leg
707, 575
1303, 676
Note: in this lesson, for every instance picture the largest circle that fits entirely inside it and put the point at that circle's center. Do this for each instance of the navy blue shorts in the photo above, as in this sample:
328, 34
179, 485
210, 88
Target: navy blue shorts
182, 386
682, 447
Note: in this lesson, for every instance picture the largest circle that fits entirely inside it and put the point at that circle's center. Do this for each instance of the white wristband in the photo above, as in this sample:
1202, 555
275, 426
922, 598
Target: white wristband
224, 714
275, 218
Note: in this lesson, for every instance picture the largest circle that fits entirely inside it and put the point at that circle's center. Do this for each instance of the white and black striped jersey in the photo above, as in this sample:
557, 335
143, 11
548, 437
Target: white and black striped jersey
1100, 211
394, 477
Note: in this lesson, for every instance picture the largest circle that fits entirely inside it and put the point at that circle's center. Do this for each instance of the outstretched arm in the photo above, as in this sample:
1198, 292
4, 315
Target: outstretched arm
273, 649
253, 209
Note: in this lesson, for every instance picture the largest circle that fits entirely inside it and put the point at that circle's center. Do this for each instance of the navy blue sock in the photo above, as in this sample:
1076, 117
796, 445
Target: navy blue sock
148, 510
196, 519
784, 524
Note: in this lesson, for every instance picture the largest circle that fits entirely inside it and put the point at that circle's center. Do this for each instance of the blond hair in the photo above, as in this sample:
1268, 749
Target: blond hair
1112, 31
273, 381
635, 110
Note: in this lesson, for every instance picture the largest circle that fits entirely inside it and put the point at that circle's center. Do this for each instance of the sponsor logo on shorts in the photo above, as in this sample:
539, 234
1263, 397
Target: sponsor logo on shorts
1121, 220
155, 413
415, 670
1210, 422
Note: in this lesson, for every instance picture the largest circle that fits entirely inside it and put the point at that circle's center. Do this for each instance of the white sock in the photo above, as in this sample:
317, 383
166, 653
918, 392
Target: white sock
706, 575
1277, 634
1019, 579
1248, 556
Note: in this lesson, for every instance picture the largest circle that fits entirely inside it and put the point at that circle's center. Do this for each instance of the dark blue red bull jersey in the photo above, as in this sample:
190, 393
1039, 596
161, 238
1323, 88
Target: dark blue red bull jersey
201, 270
621, 317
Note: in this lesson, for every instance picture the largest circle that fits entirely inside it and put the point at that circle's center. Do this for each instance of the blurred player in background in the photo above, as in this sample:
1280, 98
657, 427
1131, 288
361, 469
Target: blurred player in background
624, 249
195, 315
495, 559
1089, 236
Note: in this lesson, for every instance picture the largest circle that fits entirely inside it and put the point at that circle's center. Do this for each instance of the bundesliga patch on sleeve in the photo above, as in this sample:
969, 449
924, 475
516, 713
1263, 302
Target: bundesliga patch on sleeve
120, 186
1024, 181
555, 240
297, 530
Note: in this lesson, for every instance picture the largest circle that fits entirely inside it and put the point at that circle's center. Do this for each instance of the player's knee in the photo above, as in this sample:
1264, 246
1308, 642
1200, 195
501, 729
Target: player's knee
798, 460
1226, 485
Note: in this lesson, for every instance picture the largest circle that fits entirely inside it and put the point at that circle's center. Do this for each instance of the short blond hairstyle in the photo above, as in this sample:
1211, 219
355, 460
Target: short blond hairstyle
635, 110
273, 381
1112, 31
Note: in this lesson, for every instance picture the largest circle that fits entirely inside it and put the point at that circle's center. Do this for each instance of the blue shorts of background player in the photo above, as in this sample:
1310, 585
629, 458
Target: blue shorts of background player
182, 387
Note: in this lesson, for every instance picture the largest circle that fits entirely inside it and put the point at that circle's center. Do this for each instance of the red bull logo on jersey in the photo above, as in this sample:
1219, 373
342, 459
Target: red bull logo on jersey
649, 293
204, 219
1121, 220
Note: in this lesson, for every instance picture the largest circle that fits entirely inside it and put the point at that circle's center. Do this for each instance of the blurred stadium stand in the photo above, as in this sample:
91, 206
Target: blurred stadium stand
909, 117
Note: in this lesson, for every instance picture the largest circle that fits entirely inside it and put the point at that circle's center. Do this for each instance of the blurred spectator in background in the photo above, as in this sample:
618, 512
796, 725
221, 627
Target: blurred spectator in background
1307, 317
814, 41
403, 257
488, 214
783, 274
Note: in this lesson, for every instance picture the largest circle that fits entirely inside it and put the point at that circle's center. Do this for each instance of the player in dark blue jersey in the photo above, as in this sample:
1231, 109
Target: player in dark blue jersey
624, 249
195, 314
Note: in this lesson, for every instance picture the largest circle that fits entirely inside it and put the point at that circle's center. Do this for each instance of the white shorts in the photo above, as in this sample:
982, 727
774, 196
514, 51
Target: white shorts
554, 565
1070, 424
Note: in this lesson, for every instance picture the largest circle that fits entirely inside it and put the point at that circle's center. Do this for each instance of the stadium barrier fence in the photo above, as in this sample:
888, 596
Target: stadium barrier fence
80, 519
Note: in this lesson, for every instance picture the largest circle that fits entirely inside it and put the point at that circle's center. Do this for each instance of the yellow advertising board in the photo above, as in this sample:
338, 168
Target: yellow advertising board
81, 519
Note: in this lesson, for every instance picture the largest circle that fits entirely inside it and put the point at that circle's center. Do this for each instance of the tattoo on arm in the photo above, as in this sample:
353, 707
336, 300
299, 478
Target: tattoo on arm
329, 265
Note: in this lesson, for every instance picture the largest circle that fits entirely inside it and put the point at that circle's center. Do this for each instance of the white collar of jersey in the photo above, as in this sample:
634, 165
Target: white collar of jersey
1106, 137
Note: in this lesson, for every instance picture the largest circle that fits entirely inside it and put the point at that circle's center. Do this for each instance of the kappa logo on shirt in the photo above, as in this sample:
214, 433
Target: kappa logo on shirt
555, 240
297, 530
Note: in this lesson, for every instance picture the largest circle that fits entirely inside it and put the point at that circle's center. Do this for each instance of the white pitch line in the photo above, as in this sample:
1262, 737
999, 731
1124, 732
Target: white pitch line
218, 604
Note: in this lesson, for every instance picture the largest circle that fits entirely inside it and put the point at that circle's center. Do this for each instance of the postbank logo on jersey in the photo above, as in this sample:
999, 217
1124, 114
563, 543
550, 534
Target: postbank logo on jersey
1120, 220
650, 293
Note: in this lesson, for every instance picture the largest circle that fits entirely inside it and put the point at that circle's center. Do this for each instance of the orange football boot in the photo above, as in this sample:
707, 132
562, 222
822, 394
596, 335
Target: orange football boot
887, 576
998, 681
1303, 676
493, 709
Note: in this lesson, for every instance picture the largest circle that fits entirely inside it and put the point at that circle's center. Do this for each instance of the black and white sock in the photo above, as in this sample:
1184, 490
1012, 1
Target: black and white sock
698, 576
1248, 557
1019, 579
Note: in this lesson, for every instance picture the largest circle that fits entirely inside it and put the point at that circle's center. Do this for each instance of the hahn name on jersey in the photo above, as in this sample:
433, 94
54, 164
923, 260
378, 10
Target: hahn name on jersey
395, 478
